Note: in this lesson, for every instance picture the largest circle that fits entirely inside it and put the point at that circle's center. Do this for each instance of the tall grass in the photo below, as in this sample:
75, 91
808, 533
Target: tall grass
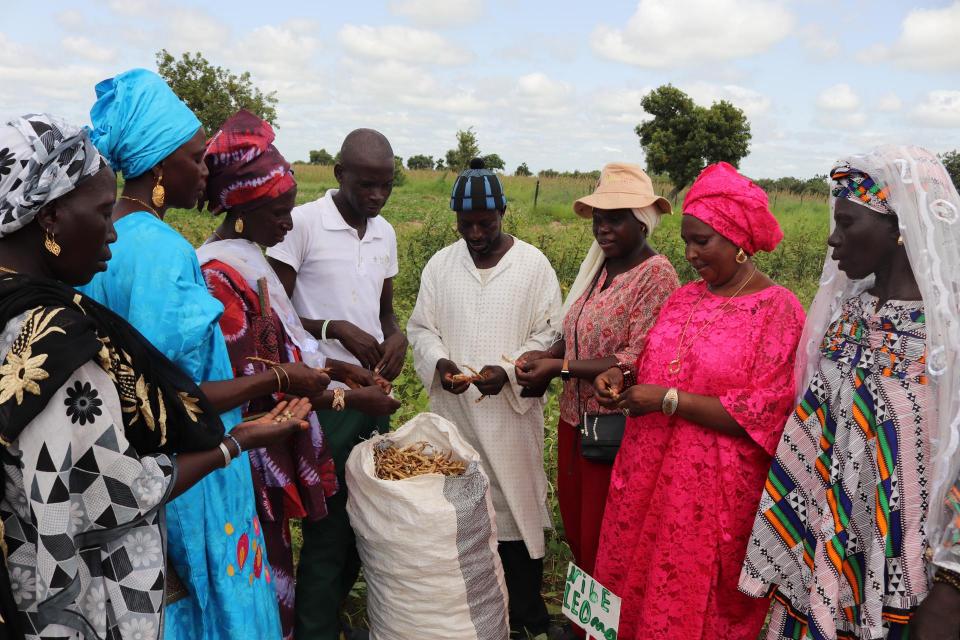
419, 211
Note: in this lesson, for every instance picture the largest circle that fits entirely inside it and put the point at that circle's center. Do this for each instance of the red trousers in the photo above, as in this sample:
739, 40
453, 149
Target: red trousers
582, 492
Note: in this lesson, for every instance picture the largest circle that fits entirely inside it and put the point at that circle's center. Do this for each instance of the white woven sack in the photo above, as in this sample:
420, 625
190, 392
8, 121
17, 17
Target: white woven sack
428, 544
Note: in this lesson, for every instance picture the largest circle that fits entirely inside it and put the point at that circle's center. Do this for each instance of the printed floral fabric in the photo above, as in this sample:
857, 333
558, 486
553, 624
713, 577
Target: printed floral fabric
613, 321
839, 535
682, 496
290, 480
82, 517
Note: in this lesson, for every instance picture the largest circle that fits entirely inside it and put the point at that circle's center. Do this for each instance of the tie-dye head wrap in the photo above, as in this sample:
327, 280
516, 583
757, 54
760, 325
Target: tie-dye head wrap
734, 207
857, 186
138, 121
41, 159
245, 167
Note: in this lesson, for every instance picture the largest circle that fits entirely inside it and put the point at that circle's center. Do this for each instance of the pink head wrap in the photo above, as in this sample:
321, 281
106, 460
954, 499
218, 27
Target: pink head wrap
734, 207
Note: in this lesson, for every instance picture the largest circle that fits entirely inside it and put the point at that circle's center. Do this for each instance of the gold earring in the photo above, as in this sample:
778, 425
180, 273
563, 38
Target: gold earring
159, 193
741, 256
900, 240
238, 225
50, 244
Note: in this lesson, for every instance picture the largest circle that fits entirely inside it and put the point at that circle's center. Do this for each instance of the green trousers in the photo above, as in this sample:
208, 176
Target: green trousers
329, 564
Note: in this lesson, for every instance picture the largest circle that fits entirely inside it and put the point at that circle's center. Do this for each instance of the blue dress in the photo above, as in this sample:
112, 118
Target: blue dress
214, 538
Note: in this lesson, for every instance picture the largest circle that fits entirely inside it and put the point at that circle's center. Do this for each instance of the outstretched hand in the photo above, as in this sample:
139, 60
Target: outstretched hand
278, 424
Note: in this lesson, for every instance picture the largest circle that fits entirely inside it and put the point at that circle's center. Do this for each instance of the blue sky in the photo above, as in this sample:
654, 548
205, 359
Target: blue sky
553, 84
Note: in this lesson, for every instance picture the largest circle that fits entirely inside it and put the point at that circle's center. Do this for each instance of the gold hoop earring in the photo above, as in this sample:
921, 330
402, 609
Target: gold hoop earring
741, 256
238, 225
51, 245
159, 193
900, 241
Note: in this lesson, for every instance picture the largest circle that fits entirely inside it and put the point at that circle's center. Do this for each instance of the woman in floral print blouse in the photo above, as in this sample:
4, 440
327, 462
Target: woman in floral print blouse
614, 301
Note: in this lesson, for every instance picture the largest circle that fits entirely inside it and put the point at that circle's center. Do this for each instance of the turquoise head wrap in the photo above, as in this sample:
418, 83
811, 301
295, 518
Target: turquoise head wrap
138, 121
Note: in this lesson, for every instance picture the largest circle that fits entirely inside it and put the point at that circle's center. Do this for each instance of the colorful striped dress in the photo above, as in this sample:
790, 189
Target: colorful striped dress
839, 538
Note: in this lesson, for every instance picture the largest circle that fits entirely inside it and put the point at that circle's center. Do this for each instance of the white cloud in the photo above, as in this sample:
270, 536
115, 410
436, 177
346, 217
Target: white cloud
129, 7
927, 41
195, 30
71, 20
621, 106
88, 49
398, 84
939, 109
669, 33
821, 46
281, 54
890, 102
536, 96
839, 97
841, 119
752, 102
438, 13
402, 44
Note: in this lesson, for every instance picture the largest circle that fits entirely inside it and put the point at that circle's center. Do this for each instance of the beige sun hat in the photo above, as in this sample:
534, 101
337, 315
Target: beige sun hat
621, 186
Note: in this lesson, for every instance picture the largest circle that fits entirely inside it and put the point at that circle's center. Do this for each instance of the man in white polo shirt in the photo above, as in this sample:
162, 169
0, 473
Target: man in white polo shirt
338, 265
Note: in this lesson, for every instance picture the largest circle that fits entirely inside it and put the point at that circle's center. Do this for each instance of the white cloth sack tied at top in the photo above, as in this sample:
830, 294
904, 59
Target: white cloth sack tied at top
428, 543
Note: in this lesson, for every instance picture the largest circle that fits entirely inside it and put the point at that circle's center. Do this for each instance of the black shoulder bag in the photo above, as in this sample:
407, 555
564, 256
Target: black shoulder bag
600, 433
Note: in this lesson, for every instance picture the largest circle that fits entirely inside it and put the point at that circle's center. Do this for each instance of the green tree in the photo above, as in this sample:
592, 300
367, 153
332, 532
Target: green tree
214, 93
419, 162
818, 186
951, 160
523, 170
683, 137
467, 149
399, 176
493, 162
440, 166
321, 157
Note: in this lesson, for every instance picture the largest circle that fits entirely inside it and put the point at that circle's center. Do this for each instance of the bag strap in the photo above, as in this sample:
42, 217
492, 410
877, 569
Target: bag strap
576, 332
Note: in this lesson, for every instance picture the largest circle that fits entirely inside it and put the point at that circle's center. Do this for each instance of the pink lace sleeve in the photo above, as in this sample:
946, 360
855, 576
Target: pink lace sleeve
763, 407
646, 308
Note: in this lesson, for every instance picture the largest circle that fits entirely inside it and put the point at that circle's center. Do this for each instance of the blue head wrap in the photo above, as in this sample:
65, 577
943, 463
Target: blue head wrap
138, 121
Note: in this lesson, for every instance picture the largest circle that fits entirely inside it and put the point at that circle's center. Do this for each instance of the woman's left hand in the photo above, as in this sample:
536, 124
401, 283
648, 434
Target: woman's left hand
641, 399
938, 617
537, 373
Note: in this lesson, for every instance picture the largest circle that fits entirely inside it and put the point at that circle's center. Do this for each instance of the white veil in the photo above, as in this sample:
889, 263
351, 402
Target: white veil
247, 258
928, 212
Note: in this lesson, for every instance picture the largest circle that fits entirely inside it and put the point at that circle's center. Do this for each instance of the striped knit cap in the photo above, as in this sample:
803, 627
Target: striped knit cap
477, 189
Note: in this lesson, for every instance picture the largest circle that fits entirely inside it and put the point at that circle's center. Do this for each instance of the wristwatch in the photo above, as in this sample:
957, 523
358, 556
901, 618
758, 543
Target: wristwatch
565, 370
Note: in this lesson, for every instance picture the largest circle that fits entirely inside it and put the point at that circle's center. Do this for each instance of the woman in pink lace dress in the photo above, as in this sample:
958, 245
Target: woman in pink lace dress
715, 388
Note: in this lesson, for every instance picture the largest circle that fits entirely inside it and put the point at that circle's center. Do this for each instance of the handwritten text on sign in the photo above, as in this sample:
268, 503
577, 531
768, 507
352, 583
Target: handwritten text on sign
590, 605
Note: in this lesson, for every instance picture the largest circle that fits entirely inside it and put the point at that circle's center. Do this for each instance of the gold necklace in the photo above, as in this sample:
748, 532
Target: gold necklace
676, 363
142, 204
217, 235
8, 270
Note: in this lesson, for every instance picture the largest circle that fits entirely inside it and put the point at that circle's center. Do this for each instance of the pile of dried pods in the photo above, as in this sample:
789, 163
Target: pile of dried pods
417, 459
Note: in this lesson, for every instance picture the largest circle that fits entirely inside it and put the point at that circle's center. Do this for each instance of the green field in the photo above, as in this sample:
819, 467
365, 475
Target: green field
419, 212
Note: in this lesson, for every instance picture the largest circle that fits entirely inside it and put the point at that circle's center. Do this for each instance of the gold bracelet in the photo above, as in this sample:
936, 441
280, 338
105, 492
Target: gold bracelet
339, 400
945, 576
285, 375
279, 381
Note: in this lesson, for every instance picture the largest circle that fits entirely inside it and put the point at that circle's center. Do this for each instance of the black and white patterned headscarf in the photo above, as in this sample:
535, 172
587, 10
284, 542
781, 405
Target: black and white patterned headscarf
41, 158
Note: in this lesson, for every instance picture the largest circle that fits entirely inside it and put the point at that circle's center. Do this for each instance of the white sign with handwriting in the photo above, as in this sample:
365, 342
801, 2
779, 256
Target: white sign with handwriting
590, 605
